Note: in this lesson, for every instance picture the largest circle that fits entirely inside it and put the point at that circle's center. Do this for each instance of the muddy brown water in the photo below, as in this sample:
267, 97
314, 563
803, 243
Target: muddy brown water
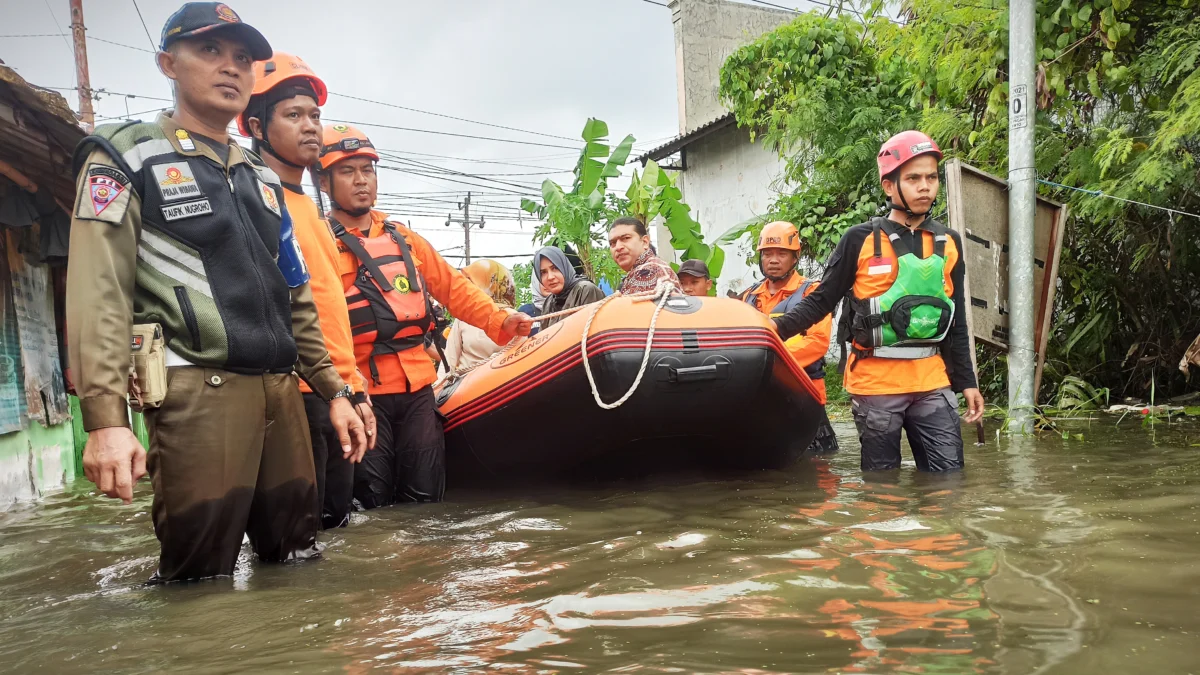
1046, 556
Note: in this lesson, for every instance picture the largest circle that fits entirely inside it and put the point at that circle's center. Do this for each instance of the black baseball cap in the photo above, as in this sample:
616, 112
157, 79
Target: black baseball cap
198, 18
695, 268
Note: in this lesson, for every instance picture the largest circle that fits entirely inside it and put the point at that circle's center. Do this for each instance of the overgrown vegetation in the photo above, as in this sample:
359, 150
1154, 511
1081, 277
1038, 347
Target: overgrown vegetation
1118, 112
579, 217
522, 274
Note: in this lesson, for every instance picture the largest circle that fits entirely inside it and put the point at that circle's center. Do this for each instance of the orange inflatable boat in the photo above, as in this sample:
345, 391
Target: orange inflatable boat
718, 388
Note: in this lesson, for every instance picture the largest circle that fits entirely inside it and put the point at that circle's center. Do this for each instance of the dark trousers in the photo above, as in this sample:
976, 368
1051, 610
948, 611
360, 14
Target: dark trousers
335, 473
929, 418
825, 442
408, 463
229, 456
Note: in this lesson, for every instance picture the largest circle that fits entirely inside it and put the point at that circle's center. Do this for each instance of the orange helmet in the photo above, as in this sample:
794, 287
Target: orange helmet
779, 234
275, 71
342, 141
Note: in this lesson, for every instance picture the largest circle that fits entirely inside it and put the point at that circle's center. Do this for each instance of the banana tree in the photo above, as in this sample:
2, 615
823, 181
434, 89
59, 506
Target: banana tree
576, 217
653, 193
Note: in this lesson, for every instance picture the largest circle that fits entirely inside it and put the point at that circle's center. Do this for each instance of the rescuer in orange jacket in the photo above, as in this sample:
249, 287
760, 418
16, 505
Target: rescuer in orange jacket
903, 279
284, 120
782, 288
389, 322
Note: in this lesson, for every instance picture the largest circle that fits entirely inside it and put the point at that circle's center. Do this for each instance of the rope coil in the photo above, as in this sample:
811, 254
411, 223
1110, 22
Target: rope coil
661, 294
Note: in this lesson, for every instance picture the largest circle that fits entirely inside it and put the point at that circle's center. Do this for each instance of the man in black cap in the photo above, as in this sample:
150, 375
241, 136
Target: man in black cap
695, 279
179, 228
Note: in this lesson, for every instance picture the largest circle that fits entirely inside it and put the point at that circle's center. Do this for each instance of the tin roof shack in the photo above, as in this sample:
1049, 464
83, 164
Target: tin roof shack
38, 132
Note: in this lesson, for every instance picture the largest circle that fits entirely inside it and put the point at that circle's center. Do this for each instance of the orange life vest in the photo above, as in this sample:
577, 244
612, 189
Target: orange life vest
388, 302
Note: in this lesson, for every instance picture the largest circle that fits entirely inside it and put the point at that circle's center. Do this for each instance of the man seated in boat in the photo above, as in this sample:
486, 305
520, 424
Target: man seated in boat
695, 279
782, 288
629, 242
389, 273
564, 288
902, 276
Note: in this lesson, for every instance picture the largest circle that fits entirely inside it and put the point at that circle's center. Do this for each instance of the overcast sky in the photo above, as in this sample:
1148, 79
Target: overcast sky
537, 65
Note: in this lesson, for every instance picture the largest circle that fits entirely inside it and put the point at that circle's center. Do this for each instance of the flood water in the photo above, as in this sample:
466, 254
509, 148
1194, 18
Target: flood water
1046, 556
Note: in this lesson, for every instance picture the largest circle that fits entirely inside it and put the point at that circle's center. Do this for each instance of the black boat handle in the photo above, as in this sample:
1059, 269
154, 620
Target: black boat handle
697, 373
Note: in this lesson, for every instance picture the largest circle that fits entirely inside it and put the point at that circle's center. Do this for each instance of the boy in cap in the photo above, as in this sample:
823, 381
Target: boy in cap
694, 278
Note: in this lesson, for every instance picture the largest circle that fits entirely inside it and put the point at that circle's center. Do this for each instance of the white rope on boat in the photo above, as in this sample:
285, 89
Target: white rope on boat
661, 293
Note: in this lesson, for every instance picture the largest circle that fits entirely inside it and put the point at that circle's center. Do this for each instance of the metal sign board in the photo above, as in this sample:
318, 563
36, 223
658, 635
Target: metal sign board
978, 206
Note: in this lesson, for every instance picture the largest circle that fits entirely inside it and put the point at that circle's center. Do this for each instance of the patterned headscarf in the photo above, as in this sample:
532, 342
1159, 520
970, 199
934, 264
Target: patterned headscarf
494, 279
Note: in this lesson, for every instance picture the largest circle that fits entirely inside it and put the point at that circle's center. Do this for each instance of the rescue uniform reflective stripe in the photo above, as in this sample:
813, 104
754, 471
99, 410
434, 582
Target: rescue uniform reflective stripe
139, 154
904, 352
168, 259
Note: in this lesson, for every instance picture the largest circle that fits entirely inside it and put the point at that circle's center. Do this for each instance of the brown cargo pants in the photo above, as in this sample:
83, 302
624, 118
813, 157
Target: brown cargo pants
230, 455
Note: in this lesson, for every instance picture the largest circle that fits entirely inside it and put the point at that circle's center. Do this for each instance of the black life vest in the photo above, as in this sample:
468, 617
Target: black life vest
816, 369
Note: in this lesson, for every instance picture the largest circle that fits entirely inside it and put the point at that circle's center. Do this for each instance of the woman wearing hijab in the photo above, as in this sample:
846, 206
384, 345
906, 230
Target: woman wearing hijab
467, 345
563, 287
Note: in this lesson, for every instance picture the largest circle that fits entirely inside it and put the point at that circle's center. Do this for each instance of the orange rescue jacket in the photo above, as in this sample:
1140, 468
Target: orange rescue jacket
409, 369
320, 255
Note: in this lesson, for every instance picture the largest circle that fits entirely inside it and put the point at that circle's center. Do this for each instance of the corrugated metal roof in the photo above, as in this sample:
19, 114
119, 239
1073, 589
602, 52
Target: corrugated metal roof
671, 147
38, 133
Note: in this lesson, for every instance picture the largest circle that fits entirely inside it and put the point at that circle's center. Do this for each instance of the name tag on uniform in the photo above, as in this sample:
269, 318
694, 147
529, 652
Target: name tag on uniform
176, 182
879, 266
199, 207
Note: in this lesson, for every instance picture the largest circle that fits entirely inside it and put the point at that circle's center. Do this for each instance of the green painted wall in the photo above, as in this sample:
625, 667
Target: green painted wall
35, 461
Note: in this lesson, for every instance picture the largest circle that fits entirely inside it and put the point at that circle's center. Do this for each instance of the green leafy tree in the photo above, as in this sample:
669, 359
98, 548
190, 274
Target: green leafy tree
577, 216
522, 274
652, 194
1118, 113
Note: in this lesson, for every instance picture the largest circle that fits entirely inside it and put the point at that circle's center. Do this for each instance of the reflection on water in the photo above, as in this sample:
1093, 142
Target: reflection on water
1045, 556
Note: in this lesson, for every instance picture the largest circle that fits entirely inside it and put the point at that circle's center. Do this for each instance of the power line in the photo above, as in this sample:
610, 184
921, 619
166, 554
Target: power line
656, 2
108, 92
57, 24
122, 44
447, 133
132, 115
470, 159
64, 36
1100, 193
440, 169
139, 13
450, 117
528, 193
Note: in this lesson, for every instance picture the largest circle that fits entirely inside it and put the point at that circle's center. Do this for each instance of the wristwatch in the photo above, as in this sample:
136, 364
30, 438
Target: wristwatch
344, 392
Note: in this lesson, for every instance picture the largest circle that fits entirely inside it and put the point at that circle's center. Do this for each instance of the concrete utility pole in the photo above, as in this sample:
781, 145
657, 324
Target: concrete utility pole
466, 223
84, 83
1022, 205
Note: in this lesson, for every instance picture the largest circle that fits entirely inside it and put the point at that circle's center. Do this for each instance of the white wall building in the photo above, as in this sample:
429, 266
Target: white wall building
725, 178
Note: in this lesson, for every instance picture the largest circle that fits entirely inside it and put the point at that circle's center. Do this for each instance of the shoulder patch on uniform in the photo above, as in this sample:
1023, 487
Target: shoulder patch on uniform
270, 200
104, 195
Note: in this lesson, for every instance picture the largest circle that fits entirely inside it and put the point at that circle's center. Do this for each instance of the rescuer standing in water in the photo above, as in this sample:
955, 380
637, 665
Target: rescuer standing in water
909, 348
783, 288
389, 321
284, 121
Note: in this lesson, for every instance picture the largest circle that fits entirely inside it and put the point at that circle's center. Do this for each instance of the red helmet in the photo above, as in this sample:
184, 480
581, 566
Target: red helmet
905, 146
